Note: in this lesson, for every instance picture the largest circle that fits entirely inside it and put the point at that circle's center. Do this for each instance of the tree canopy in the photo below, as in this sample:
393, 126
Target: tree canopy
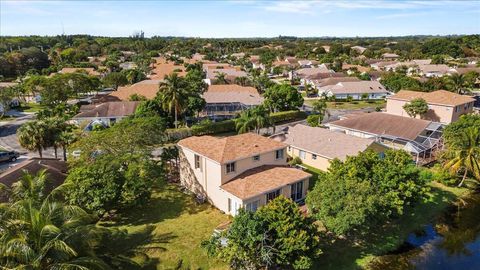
282, 97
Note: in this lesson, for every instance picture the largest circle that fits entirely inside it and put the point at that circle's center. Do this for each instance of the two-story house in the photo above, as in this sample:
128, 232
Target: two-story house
241, 171
443, 106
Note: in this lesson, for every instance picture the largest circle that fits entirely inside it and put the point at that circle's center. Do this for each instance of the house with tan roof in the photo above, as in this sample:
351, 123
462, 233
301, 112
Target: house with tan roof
162, 67
241, 171
359, 49
355, 89
443, 106
145, 88
55, 169
390, 56
89, 71
230, 74
431, 70
225, 101
105, 114
317, 147
419, 137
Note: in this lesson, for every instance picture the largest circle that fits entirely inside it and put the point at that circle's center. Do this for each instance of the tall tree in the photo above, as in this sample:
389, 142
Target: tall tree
457, 83
282, 97
463, 154
253, 119
417, 106
33, 136
173, 95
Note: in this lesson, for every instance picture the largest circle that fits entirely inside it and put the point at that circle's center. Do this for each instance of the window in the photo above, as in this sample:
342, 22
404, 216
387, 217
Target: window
297, 191
256, 158
289, 148
272, 195
252, 206
231, 167
456, 109
302, 154
232, 206
279, 154
197, 161
314, 156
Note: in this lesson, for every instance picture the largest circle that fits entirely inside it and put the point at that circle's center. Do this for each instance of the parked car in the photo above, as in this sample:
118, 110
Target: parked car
9, 156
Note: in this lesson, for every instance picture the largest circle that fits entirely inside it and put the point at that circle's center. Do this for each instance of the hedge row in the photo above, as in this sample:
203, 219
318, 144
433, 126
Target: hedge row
227, 125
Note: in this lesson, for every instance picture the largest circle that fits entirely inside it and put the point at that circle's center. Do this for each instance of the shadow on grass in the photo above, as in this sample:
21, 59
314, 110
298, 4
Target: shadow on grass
167, 202
352, 253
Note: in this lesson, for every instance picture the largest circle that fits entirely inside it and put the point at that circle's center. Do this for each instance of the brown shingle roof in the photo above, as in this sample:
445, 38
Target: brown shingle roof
90, 71
226, 93
324, 142
383, 123
355, 87
441, 97
335, 80
56, 172
263, 179
108, 109
230, 148
146, 88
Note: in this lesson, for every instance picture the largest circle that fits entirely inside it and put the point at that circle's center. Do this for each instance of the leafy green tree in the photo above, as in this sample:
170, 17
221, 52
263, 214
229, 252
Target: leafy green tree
278, 235
115, 79
365, 191
39, 231
282, 97
417, 106
397, 81
221, 78
463, 154
136, 97
453, 132
6, 96
314, 120
111, 182
456, 82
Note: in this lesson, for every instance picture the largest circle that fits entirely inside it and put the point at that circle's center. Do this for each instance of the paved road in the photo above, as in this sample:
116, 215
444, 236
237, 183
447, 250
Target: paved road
9, 140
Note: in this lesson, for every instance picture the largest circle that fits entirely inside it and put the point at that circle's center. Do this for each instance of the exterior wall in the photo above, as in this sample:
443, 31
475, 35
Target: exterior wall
321, 163
248, 163
436, 113
285, 191
359, 96
207, 179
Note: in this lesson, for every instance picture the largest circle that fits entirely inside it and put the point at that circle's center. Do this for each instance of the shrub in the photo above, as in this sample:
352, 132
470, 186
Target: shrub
287, 116
295, 161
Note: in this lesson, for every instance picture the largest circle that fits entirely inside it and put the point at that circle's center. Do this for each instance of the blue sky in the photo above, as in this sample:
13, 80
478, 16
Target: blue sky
240, 18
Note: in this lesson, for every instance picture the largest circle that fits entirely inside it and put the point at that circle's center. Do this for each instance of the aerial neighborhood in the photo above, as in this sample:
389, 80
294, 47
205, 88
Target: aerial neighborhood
239, 153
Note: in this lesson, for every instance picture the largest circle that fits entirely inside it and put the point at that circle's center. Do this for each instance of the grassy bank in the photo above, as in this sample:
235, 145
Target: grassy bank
344, 254
166, 233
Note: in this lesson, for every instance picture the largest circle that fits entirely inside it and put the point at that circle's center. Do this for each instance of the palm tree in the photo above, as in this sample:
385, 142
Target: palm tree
464, 154
253, 119
173, 95
220, 78
457, 83
33, 136
39, 232
65, 139
243, 81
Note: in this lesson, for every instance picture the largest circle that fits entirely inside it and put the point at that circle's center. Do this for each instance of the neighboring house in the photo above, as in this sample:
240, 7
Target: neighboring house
307, 63
230, 74
241, 171
351, 68
359, 49
333, 81
255, 60
105, 114
443, 106
419, 137
56, 172
89, 71
163, 67
317, 147
304, 74
238, 55
390, 56
431, 70
326, 48
207, 66
146, 88
225, 101
380, 65
128, 65
355, 89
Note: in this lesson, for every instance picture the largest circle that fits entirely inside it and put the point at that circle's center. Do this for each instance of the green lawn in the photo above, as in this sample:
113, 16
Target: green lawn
166, 233
351, 105
31, 107
345, 255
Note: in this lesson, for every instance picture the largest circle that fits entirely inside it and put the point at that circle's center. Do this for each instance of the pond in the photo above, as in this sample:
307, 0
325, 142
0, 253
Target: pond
452, 243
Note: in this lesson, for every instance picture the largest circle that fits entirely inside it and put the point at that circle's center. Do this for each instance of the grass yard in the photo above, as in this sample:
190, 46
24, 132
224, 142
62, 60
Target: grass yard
345, 255
351, 105
167, 232
30, 107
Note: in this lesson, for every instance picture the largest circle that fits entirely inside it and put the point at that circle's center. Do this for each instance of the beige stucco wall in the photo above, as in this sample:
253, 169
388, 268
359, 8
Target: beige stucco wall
436, 113
321, 163
211, 175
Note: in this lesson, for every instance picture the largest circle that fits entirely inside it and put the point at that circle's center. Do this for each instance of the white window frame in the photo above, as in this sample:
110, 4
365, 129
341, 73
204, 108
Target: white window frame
197, 161
302, 154
314, 156
252, 206
277, 156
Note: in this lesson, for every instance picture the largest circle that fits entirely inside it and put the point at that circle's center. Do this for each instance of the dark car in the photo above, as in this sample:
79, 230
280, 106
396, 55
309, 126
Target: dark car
9, 156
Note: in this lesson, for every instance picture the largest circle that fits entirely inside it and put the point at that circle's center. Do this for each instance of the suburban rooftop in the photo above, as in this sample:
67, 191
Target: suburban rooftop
441, 97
